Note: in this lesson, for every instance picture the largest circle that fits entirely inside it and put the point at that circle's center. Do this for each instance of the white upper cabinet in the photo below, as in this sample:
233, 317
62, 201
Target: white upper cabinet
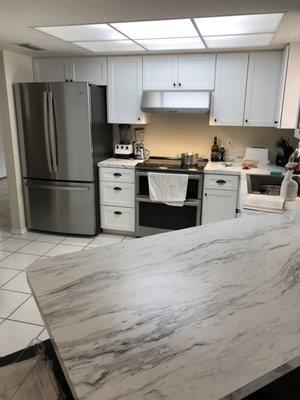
50, 69
125, 87
92, 70
160, 72
289, 88
228, 99
196, 72
262, 88
186, 72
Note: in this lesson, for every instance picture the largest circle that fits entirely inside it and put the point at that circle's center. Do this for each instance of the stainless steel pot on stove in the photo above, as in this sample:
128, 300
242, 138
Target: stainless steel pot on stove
189, 159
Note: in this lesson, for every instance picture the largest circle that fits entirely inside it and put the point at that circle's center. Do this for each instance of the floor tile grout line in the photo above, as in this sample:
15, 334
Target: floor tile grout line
1, 286
25, 322
16, 251
17, 307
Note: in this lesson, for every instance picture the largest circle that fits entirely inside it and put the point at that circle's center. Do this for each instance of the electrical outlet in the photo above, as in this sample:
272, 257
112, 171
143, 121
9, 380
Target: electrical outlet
229, 143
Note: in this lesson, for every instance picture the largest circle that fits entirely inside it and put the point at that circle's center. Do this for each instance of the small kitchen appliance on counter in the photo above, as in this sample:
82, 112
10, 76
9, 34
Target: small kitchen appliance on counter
124, 149
140, 152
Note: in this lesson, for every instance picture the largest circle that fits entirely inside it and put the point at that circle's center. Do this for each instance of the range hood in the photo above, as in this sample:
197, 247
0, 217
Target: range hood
175, 101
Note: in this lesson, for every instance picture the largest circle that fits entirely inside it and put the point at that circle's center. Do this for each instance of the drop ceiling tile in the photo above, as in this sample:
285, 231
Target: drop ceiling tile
172, 44
238, 24
78, 33
157, 29
112, 46
238, 41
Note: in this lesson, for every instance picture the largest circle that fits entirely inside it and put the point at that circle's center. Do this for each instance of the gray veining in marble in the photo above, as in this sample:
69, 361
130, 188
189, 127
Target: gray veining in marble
206, 313
119, 162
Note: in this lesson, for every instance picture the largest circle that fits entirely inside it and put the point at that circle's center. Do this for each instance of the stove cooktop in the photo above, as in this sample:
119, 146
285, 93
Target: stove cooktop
170, 164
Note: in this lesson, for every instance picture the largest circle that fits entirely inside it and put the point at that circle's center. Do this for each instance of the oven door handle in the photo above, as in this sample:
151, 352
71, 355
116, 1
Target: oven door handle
145, 199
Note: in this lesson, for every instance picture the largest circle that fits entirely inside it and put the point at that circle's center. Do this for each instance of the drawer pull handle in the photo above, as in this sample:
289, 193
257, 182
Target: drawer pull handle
221, 181
117, 212
117, 174
117, 188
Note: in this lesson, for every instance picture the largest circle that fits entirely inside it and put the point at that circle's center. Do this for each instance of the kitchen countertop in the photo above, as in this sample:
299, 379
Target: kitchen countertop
236, 169
211, 167
210, 312
119, 162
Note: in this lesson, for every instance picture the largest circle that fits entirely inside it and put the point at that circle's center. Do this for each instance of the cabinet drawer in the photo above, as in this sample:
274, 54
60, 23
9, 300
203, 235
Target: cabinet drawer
118, 218
117, 194
225, 182
117, 174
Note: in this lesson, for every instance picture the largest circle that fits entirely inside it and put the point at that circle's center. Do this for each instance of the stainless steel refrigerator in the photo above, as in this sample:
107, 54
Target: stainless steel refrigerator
63, 133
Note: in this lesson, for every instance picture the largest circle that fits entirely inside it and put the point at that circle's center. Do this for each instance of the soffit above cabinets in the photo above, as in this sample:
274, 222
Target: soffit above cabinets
224, 32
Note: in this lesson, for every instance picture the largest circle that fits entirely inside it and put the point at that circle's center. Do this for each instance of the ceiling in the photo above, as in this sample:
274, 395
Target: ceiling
17, 17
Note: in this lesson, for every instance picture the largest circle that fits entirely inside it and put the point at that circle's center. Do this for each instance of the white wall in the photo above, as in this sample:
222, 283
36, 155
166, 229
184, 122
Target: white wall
2, 157
13, 68
171, 134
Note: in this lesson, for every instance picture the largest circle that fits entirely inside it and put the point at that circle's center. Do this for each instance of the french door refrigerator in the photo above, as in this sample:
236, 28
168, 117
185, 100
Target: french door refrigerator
63, 133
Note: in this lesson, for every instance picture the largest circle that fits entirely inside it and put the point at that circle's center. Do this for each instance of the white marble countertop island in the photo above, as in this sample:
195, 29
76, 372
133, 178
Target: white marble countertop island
207, 313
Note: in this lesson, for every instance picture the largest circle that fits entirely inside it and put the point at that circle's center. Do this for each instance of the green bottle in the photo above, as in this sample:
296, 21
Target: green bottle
215, 150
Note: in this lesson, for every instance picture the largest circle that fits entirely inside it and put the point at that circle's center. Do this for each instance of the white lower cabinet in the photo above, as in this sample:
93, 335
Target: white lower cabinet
119, 194
117, 218
219, 204
117, 198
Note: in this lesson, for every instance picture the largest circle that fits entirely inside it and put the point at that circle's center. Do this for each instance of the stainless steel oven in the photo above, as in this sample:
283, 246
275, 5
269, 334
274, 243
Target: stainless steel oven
152, 217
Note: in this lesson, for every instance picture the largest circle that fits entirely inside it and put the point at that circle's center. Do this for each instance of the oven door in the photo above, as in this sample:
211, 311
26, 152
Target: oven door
194, 187
153, 218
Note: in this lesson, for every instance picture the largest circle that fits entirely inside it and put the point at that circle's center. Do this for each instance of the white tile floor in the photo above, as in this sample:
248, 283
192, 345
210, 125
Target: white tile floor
20, 321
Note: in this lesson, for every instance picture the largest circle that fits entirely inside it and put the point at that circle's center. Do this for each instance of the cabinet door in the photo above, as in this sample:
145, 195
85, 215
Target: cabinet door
262, 88
218, 205
92, 70
281, 86
196, 72
229, 97
125, 90
50, 69
160, 72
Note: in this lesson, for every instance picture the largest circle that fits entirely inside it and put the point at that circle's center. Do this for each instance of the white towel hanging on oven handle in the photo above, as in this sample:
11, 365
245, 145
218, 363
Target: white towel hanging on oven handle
166, 188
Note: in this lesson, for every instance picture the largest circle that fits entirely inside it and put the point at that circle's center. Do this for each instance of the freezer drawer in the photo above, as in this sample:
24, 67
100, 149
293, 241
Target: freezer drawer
64, 207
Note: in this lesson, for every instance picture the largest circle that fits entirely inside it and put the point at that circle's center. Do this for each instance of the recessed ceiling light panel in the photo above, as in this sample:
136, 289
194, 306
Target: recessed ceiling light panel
157, 29
172, 44
235, 41
80, 33
113, 46
238, 24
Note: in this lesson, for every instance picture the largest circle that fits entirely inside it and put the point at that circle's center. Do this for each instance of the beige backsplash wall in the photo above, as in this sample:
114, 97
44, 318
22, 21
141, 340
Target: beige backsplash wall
169, 134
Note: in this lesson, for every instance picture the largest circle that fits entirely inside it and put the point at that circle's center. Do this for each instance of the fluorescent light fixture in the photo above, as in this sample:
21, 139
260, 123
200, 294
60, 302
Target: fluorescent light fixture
80, 33
234, 41
110, 46
157, 29
172, 44
238, 24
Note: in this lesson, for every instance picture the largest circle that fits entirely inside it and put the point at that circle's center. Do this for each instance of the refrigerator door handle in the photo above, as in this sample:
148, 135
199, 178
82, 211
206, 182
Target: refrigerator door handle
63, 188
46, 131
52, 132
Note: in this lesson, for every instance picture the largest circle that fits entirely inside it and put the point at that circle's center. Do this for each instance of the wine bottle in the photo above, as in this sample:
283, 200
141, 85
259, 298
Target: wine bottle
222, 152
215, 150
